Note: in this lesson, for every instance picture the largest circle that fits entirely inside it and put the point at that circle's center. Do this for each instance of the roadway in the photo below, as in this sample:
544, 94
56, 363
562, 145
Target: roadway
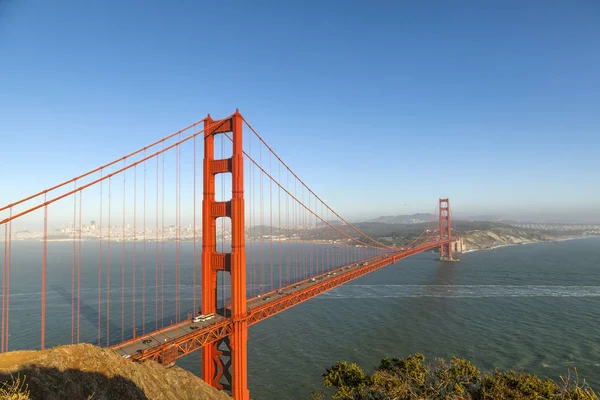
149, 345
154, 339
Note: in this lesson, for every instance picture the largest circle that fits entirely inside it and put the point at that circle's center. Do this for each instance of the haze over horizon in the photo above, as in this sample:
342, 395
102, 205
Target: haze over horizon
491, 104
566, 218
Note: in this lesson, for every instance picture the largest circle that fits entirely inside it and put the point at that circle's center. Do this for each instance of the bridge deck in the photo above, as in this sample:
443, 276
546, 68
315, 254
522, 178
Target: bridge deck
187, 336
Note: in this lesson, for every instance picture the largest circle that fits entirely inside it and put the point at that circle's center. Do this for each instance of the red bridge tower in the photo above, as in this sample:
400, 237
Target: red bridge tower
224, 363
445, 231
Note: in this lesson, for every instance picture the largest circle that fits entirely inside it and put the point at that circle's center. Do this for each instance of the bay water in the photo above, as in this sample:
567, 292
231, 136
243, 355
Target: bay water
532, 307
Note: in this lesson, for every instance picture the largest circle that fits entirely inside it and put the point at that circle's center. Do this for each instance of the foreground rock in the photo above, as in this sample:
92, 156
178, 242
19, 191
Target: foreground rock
84, 371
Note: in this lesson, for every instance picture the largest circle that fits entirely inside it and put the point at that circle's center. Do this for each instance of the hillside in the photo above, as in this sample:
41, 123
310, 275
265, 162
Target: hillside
84, 371
485, 239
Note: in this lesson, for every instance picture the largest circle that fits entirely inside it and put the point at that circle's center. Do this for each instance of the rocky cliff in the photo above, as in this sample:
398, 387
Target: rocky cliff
485, 239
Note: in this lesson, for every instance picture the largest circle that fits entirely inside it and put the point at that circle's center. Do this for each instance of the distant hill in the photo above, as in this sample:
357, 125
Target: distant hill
420, 218
403, 219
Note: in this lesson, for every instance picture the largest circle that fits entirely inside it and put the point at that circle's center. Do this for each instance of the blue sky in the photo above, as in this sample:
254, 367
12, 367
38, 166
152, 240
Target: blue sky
494, 104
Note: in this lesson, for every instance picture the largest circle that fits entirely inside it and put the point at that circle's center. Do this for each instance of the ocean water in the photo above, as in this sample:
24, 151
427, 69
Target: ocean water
532, 307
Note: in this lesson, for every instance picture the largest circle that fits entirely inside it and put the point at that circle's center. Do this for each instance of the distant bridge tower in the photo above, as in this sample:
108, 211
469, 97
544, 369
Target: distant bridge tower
224, 363
445, 231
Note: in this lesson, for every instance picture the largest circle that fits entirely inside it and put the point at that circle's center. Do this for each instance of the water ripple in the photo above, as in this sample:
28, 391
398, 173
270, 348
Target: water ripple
407, 291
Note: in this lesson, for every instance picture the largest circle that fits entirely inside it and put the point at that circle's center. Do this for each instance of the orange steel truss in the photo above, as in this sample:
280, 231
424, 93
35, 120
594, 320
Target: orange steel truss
215, 361
260, 313
225, 328
187, 344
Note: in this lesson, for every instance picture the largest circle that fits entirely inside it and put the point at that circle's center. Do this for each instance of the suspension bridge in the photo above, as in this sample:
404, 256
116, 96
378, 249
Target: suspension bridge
161, 253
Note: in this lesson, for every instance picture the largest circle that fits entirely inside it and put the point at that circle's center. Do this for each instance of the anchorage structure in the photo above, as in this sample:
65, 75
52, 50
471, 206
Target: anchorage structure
224, 362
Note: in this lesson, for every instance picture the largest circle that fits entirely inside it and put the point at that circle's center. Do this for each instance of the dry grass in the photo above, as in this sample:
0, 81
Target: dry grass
14, 389
85, 371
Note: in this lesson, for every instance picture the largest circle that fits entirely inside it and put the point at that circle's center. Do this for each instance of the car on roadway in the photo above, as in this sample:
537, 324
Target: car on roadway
202, 318
147, 341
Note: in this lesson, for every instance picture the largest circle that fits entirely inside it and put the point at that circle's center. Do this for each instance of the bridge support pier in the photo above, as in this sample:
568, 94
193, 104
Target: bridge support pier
224, 364
239, 358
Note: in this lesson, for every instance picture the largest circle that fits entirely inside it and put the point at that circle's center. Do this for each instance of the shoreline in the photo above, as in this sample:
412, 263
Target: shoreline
525, 243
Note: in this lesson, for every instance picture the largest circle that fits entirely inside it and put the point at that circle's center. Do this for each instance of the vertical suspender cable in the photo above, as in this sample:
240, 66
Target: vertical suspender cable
177, 233
287, 230
134, 249
195, 310
100, 262
317, 240
108, 261
79, 270
73, 267
4, 287
261, 204
162, 267
156, 250
296, 243
279, 247
317, 270
302, 253
8, 282
123, 262
144, 259
270, 223
44, 264
251, 254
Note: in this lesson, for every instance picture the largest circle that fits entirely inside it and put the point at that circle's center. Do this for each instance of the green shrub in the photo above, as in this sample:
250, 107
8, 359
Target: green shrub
413, 378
